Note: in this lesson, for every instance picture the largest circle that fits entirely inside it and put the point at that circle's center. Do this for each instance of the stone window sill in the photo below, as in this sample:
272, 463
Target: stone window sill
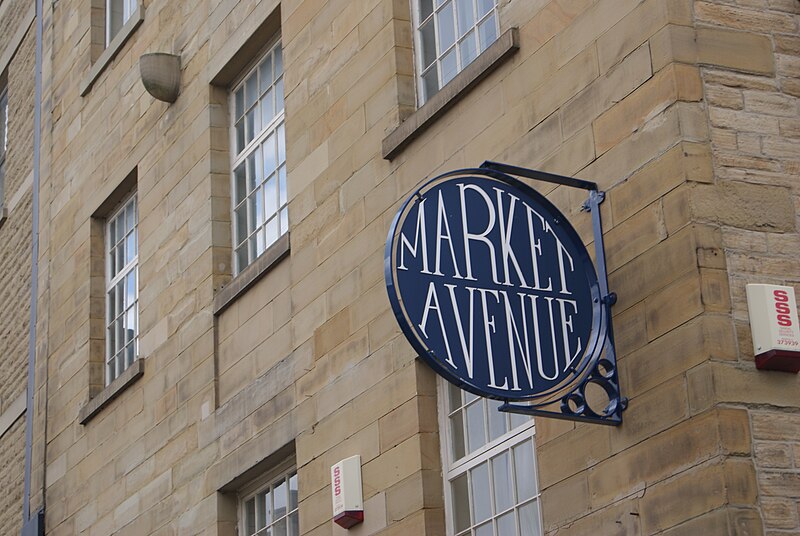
112, 391
491, 58
137, 17
250, 275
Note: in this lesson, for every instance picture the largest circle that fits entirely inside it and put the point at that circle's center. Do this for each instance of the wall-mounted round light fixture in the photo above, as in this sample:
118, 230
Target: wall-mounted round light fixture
161, 75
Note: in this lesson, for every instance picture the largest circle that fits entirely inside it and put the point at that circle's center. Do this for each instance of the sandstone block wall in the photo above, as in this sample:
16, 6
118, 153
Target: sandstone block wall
17, 44
753, 109
309, 360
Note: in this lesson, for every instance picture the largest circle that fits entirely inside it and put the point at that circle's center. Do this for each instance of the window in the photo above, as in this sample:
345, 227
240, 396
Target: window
260, 214
3, 139
449, 36
117, 14
491, 485
122, 292
271, 509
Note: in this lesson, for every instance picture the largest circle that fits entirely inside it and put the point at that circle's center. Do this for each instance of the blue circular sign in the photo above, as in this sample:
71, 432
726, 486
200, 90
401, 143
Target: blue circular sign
494, 288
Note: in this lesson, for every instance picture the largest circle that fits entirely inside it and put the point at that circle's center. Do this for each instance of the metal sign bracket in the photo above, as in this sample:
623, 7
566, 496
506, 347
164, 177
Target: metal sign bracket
604, 379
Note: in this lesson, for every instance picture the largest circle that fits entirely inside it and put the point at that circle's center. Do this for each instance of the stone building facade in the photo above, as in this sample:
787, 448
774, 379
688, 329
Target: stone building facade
213, 327
17, 40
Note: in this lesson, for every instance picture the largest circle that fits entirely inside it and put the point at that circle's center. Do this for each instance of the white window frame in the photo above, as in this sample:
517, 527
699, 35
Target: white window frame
451, 469
128, 9
284, 470
275, 126
113, 367
439, 6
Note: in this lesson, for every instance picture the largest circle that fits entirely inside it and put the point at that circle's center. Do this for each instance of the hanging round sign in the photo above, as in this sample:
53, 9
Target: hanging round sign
494, 288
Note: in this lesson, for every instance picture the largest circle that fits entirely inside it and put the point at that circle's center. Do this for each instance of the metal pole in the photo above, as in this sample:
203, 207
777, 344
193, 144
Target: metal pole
37, 141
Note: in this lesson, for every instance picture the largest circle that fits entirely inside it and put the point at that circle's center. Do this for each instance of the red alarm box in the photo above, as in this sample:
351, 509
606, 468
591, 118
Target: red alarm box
348, 504
773, 323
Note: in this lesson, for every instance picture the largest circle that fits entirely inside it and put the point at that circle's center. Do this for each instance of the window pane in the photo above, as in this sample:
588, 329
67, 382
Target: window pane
529, 519
425, 9
239, 184
293, 492
250, 517
239, 136
475, 426
130, 325
130, 247
120, 335
264, 500
259, 203
281, 144
265, 73
269, 156
497, 420
524, 471
449, 66
447, 31
267, 108
501, 474
506, 524
114, 18
272, 231
129, 355
279, 96
241, 223
250, 122
457, 436
484, 6
252, 175
239, 99
482, 507
460, 502
241, 257
454, 396
487, 32
484, 530
130, 213
119, 252
430, 82
469, 49
120, 299
284, 220
260, 242
294, 525
519, 420
110, 306
251, 213
120, 233
250, 90
271, 197
279, 528
278, 60
112, 338
282, 185
279, 498
465, 17
428, 43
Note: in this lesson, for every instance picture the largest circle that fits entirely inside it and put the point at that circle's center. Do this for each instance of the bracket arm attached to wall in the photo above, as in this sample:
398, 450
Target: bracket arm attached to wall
575, 406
